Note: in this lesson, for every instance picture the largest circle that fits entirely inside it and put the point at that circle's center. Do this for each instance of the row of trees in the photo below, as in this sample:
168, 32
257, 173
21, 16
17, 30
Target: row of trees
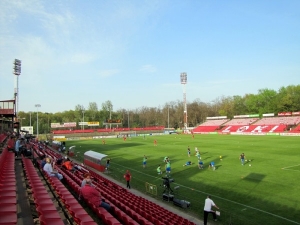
286, 99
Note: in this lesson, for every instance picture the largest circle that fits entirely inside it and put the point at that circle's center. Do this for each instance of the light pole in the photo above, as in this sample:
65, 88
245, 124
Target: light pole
48, 127
83, 118
183, 80
30, 118
128, 119
21, 121
168, 116
37, 120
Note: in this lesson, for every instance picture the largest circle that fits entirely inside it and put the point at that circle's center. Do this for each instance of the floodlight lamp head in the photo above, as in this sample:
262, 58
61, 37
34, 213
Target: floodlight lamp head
17, 67
183, 78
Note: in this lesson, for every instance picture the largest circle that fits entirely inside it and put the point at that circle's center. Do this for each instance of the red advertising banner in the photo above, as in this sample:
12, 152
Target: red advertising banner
295, 113
284, 114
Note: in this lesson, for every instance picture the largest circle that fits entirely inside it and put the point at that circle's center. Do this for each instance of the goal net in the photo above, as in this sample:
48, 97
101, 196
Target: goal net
127, 134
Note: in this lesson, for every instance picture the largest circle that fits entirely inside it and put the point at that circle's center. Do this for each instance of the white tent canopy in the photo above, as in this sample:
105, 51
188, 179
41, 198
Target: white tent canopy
95, 155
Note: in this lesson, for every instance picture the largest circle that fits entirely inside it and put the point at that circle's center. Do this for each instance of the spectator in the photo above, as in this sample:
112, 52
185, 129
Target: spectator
18, 146
43, 161
90, 194
127, 177
69, 165
49, 170
86, 176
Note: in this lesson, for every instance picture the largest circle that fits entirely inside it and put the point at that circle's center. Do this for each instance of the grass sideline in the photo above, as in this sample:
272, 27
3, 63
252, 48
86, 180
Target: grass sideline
267, 192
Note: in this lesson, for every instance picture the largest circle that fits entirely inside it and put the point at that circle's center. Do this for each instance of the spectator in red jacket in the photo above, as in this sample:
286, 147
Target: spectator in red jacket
89, 193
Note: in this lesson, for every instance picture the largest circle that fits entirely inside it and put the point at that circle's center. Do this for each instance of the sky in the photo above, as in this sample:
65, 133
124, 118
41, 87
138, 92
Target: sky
132, 52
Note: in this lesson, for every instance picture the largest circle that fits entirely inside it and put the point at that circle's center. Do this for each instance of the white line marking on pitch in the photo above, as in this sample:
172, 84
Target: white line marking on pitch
284, 168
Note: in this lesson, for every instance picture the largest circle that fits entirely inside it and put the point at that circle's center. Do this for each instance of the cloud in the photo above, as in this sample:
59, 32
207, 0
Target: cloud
148, 69
108, 73
82, 58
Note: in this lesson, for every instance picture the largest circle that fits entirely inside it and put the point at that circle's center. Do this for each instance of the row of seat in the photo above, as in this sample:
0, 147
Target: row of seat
48, 213
116, 213
78, 213
75, 209
8, 191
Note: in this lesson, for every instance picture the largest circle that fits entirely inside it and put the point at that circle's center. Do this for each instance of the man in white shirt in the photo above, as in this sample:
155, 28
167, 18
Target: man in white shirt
49, 169
207, 209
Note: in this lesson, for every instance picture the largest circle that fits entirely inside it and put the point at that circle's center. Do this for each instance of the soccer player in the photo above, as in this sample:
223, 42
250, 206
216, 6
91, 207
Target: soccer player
198, 155
242, 158
189, 151
188, 163
166, 159
159, 170
144, 161
168, 167
200, 164
212, 165
155, 142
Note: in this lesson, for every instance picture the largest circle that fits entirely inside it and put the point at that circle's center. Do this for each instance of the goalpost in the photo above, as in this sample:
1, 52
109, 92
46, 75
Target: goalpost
128, 133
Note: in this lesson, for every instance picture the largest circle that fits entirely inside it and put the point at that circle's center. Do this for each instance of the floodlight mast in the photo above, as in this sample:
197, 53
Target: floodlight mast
183, 80
17, 73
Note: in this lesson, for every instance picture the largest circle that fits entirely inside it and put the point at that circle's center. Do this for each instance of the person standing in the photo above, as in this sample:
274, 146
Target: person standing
198, 155
208, 209
189, 151
159, 170
144, 161
18, 146
107, 163
168, 167
242, 158
127, 177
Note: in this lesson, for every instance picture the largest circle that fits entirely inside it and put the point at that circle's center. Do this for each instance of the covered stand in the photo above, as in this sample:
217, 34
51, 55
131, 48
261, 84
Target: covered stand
95, 160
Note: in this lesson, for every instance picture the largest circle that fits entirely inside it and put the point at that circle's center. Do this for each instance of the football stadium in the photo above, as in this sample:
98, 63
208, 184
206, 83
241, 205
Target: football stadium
149, 112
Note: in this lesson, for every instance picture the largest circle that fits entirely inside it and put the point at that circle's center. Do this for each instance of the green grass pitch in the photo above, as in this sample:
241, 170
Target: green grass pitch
267, 192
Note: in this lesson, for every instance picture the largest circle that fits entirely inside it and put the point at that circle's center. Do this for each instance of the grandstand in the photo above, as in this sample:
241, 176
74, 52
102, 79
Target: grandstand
209, 125
251, 124
56, 202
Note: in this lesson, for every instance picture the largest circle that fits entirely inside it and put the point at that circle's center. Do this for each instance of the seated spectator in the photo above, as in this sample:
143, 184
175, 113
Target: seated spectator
68, 164
49, 170
60, 160
90, 194
86, 176
43, 161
